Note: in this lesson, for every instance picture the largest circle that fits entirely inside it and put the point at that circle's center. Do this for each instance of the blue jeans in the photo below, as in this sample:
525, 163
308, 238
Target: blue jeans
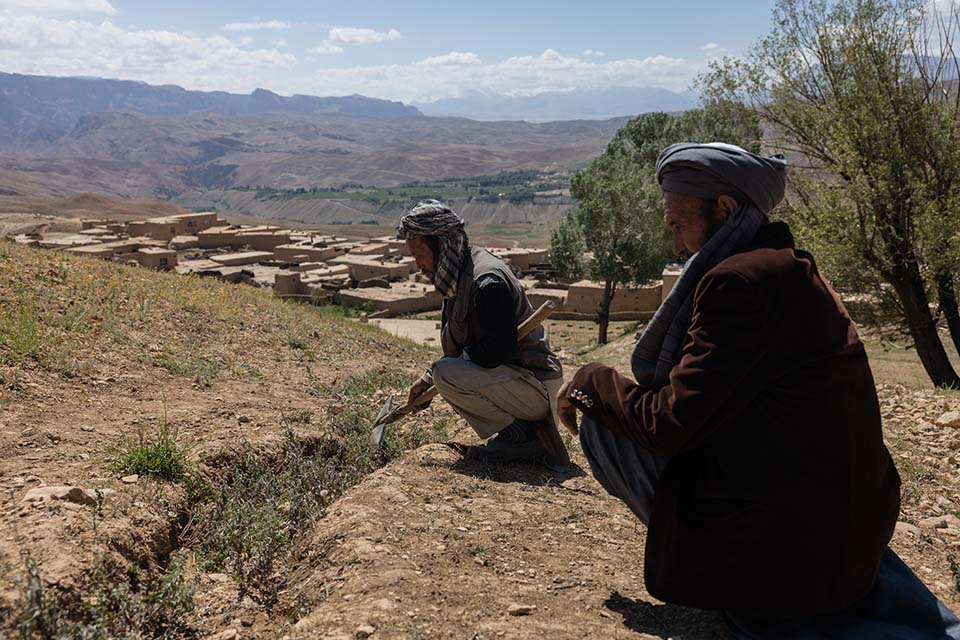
900, 607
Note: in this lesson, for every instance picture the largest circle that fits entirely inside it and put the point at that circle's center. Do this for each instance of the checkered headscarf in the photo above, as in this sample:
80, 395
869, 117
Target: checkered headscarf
433, 218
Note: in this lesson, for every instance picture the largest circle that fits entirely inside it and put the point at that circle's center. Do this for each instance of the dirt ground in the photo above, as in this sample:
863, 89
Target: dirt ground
429, 546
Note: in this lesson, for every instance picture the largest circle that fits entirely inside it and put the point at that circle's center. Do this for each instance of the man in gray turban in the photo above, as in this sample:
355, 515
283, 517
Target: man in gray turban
749, 441
504, 388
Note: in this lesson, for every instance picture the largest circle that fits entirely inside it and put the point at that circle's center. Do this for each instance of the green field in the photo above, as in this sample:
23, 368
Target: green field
518, 187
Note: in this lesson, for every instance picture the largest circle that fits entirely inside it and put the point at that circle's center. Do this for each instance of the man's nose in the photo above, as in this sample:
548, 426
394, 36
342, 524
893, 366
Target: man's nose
678, 247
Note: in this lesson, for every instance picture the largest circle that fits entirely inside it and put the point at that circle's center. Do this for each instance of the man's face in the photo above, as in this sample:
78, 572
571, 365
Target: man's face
423, 255
693, 220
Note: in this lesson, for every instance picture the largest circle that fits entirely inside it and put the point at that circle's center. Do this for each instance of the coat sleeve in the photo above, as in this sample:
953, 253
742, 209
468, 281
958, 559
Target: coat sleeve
495, 310
714, 379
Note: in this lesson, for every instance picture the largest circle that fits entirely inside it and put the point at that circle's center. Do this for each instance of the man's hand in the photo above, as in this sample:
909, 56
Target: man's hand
566, 411
415, 391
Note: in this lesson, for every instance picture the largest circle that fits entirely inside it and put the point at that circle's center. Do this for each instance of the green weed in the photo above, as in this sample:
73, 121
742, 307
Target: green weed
21, 334
122, 604
192, 363
161, 457
245, 522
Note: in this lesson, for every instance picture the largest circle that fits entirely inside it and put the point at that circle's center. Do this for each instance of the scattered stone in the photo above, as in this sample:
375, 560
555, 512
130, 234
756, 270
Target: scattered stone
87, 428
243, 419
226, 634
949, 419
906, 527
520, 609
64, 493
364, 631
947, 521
131, 479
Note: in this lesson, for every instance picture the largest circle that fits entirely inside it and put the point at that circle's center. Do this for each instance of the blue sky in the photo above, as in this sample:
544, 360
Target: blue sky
411, 51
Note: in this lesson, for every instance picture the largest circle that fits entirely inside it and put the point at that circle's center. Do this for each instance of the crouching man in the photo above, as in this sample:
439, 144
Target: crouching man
750, 439
506, 390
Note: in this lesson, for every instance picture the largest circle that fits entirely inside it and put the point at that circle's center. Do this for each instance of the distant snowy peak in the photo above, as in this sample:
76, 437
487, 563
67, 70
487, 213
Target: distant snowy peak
552, 106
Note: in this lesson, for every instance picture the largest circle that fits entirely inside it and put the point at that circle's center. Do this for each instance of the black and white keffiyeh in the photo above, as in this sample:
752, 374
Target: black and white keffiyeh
711, 170
433, 218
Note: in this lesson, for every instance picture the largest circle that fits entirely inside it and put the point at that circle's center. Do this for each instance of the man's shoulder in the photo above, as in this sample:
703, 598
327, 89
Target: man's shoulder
760, 266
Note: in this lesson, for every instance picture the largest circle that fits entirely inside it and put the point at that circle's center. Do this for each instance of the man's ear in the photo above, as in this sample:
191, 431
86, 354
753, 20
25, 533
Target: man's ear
727, 205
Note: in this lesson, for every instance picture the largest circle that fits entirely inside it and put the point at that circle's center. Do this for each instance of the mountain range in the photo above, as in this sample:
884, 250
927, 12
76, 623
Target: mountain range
36, 111
63, 136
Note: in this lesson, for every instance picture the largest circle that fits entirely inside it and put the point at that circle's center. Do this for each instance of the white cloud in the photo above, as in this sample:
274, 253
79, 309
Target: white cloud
353, 35
456, 73
713, 50
325, 49
454, 58
48, 46
62, 6
264, 25
593, 53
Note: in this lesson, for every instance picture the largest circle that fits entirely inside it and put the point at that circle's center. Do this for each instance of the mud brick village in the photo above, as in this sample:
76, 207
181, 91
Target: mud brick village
376, 276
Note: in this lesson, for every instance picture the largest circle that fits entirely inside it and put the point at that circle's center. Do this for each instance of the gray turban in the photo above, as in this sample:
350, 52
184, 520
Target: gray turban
433, 218
715, 169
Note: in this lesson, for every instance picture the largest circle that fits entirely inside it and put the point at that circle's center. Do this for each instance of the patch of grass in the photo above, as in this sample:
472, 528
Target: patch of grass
21, 334
296, 342
123, 604
479, 551
191, 363
161, 457
299, 417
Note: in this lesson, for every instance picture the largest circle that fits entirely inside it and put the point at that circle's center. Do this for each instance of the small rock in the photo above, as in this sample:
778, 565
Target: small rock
364, 631
947, 521
64, 493
520, 609
87, 428
949, 419
226, 634
131, 479
906, 527
243, 419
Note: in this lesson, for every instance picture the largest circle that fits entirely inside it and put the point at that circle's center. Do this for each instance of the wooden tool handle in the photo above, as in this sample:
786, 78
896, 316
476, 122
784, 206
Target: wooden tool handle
535, 320
526, 328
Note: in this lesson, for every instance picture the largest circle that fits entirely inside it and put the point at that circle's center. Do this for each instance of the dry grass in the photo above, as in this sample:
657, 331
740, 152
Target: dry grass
72, 316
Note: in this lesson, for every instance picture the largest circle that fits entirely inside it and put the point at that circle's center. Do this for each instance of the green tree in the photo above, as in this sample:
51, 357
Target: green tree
861, 93
616, 234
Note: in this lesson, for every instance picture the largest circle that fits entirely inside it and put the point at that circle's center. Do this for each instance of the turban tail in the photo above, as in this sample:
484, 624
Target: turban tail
433, 218
705, 171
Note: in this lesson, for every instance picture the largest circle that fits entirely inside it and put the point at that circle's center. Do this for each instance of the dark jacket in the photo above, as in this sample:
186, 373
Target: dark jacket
465, 327
780, 496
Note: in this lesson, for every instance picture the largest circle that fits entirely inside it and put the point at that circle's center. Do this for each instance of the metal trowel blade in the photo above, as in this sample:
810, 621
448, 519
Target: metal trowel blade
379, 427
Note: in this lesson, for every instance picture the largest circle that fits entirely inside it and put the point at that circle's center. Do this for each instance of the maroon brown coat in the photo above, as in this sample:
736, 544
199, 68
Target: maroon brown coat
780, 496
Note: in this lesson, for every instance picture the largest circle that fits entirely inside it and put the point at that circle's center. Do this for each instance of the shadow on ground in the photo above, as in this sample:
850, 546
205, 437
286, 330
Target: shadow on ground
667, 620
527, 473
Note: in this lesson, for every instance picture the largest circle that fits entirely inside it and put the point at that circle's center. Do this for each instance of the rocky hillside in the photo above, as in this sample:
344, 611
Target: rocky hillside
190, 459
127, 154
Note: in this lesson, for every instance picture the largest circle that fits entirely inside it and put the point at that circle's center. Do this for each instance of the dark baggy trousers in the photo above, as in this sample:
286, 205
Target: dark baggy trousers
900, 607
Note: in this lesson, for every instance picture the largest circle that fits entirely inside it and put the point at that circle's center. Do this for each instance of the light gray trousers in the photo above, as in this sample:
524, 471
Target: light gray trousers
491, 399
622, 467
